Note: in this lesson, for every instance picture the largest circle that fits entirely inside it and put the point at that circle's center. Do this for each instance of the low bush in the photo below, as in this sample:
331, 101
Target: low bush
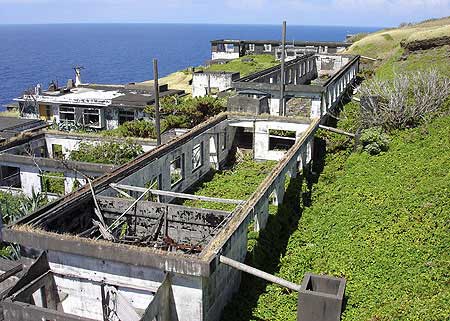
405, 102
107, 152
135, 128
374, 140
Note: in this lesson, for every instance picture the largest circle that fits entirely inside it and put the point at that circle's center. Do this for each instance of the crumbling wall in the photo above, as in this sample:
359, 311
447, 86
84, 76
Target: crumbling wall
220, 80
220, 137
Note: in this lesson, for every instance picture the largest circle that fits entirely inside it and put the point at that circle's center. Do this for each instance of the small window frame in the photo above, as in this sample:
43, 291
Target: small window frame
174, 167
197, 156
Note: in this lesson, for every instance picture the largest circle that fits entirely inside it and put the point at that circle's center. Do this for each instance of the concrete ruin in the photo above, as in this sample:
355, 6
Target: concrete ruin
124, 249
25, 161
228, 49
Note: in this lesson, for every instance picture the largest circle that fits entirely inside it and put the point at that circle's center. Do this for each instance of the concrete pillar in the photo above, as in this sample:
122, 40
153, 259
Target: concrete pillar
274, 106
309, 151
261, 140
316, 104
261, 214
30, 180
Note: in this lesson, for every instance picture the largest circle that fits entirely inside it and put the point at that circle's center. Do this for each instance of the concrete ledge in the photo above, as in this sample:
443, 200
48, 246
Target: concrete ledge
104, 250
53, 164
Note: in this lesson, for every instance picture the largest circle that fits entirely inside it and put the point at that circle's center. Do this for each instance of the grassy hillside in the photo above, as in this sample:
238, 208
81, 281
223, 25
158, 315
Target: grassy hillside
382, 223
178, 80
385, 45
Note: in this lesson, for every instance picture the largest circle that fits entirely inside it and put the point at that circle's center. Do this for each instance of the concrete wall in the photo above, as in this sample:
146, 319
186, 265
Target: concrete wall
219, 80
71, 142
212, 156
112, 116
261, 136
224, 55
224, 281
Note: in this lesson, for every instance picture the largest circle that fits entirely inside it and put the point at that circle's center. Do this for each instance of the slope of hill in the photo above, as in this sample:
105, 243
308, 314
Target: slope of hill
389, 46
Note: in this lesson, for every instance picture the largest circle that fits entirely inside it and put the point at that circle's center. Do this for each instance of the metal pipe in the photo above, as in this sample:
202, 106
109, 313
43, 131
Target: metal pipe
282, 77
258, 273
157, 116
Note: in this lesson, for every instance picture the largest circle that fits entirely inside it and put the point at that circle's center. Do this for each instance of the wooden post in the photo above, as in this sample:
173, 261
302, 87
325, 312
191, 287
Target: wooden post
282, 78
157, 116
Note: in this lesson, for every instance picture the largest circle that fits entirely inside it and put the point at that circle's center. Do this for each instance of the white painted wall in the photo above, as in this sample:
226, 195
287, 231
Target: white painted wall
222, 81
261, 139
224, 55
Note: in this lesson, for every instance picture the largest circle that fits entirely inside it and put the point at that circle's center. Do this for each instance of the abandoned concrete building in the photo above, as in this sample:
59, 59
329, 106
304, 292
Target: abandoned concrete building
227, 49
25, 162
90, 105
126, 248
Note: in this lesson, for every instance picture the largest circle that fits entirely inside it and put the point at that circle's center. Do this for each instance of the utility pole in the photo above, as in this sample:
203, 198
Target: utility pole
282, 77
157, 116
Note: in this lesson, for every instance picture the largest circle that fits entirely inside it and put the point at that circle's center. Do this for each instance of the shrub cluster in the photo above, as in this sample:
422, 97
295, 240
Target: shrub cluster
188, 112
405, 102
374, 140
107, 152
175, 113
135, 128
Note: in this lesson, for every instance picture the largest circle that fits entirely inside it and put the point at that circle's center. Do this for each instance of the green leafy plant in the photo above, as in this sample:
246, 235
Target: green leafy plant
135, 128
374, 140
53, 182
107, 152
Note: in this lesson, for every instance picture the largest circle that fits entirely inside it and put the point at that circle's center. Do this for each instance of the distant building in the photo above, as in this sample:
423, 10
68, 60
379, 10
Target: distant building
232, 49
93, 106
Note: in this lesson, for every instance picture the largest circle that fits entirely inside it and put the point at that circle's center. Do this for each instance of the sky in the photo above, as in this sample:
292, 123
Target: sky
377, 13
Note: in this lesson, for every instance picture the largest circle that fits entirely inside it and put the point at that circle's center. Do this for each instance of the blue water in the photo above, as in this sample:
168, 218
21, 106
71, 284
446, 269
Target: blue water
122, 53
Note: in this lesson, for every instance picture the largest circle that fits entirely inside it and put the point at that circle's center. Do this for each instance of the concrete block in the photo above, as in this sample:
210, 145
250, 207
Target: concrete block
320, 298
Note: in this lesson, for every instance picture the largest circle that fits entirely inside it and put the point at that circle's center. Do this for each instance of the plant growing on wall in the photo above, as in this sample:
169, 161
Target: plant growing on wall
135, 128
107, 152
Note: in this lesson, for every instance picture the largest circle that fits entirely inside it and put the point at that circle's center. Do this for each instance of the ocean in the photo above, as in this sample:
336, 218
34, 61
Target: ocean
123, 53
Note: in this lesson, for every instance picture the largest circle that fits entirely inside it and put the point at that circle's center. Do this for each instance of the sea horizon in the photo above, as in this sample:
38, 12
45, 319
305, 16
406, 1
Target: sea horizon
118, 53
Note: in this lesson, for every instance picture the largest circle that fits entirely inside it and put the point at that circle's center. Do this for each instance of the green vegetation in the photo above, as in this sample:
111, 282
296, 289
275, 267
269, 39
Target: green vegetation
374, 140
13, 207
238, 182
135, 128
52, 184
385, 45
437, 58
107, 152
383, 224
246, 65
175, 113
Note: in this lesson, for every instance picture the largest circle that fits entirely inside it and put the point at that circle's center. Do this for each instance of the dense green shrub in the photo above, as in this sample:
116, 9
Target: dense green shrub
374, 140
13, 207
10, 207
135, 128
107, 152
238, 182
187, 112
52, 184
175, 113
